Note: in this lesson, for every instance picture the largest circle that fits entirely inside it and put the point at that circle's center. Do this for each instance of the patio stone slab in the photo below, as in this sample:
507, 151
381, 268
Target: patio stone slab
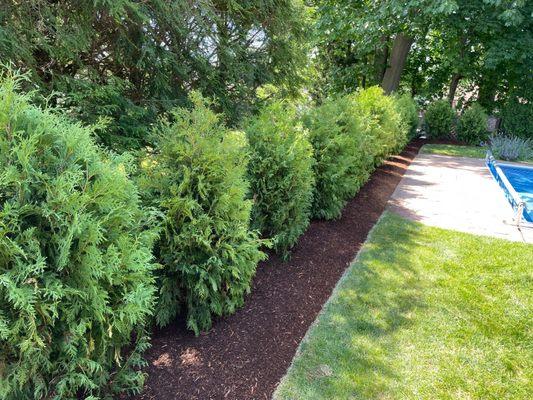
456, 193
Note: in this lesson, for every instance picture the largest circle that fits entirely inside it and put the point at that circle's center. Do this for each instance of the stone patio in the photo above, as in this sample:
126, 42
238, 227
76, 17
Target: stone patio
456, 193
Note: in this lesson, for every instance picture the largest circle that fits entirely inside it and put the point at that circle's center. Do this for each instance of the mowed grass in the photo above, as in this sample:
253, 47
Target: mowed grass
423, 313
454, 150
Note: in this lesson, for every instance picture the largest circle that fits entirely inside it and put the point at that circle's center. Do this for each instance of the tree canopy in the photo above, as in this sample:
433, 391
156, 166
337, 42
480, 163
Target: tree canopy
484, 42
120, 62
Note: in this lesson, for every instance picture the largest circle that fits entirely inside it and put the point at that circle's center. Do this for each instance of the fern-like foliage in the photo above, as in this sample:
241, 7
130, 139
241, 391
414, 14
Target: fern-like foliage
76, 283
196, 177
380, 120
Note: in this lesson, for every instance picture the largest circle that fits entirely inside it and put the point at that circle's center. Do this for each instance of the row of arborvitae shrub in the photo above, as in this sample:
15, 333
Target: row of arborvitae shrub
470, 127
92, 250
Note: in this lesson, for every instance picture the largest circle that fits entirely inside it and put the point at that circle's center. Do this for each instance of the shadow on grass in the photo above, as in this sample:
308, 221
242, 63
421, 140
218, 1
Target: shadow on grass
354, 336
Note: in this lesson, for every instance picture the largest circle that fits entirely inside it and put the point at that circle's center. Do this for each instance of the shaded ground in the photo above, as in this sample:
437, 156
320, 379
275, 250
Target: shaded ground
245, 355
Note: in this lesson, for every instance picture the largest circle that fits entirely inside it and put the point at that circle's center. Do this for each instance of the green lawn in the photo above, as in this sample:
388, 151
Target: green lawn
454, 150
423, 313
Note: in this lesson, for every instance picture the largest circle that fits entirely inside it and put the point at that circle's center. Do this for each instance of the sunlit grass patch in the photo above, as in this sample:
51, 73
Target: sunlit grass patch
423, 313
454, 150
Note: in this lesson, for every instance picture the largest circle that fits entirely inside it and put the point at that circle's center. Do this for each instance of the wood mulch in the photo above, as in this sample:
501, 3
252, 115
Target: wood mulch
246, 354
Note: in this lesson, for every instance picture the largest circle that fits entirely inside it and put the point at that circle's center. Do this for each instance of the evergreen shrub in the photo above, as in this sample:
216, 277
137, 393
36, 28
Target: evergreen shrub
517, 118
408, 110
439, 119
381, 121
341, 149
196, 178
281, 174
76, 281
472, 125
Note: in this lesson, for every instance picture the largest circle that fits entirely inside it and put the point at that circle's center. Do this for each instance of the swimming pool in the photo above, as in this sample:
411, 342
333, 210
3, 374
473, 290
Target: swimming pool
517, 183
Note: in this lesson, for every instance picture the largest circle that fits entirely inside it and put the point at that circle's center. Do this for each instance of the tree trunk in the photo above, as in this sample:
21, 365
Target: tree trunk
393, 73
453, 87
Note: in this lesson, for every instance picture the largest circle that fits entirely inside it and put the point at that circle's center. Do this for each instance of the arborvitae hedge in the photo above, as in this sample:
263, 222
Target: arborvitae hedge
439, 119
341, 162
350, 135
381, 121
408, 110
281, 174
517, 117
472, 125
196, 178
76, 282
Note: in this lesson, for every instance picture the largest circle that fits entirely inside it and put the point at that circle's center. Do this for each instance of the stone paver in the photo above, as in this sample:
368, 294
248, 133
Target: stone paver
456, 193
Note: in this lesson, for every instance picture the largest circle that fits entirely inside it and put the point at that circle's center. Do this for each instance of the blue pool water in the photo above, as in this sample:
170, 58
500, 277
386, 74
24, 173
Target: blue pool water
521, 178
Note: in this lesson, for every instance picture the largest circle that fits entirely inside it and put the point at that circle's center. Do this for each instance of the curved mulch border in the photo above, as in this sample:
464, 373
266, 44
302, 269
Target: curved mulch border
245, 355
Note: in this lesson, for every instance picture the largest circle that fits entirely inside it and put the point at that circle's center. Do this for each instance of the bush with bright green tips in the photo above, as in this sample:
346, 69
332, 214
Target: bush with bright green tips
281, 174
196, 178
76, 284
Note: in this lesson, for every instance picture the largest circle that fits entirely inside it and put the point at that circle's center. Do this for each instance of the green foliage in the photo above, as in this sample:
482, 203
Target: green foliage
128, 59
76, 282
408, 110
119, 122
472, 125
380, 120
196, 178
281, 174
350, 135
512, 148
517, 118
343, 162
439, 119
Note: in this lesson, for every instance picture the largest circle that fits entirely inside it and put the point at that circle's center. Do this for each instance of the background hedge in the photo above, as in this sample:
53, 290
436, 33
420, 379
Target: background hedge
196, 178
472, 125
439, 119
76, 281
350, 135
517, 117
381, 121
333, 132
408, 110
281, 174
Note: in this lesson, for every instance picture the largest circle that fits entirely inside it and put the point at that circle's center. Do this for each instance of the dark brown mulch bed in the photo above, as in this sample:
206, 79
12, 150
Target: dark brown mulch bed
245, 355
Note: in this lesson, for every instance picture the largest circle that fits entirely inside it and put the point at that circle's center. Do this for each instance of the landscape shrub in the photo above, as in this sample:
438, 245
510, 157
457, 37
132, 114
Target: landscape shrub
76, 282
517, 118
439, 119
281, 174
195, 177
343, 162
511, 148
472, 125
380, 119
408, 110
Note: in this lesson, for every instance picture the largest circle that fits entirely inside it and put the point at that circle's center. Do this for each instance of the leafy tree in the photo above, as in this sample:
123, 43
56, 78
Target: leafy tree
364, 43
125, 61
483, 44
